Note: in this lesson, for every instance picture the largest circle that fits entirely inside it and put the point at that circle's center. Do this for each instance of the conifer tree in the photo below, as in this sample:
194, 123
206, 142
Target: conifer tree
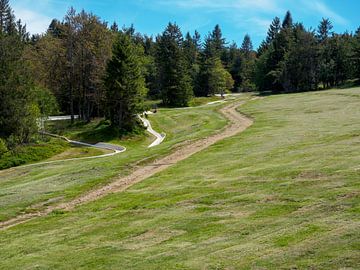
217, 40
6, 16
356, 53
300, 64
174, 79
125, 84
274, 29
247, 65
288, 21
324, 29
246, 46
18, 108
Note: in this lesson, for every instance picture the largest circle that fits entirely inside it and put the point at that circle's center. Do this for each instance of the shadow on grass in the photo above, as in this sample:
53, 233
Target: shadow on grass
104, 132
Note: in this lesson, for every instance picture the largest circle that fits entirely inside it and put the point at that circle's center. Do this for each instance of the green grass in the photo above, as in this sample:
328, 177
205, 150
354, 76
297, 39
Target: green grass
31, 153
28, 189
198, 101
282, 195
79, 152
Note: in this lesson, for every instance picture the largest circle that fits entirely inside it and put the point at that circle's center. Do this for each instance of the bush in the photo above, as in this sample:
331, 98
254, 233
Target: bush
3, 148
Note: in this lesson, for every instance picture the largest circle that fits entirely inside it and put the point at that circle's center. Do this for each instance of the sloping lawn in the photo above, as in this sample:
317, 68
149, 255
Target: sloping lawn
282, 195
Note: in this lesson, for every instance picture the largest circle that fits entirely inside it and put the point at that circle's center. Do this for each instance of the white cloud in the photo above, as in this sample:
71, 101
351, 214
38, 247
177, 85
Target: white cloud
326, 12
252, 16
37, 15
36, 22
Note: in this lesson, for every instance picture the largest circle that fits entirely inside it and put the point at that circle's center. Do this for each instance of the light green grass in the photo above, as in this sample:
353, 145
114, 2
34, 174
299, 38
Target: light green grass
282, 195
198, 101
22, 188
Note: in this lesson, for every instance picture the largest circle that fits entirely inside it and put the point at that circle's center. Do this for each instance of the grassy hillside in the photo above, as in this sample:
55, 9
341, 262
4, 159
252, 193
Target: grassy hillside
282, 195
29, 189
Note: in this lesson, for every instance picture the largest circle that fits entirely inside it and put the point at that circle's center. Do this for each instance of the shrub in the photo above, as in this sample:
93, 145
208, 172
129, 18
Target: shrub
3, 148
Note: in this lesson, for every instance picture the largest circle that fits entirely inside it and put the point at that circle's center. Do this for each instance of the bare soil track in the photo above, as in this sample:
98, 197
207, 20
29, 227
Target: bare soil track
238, 123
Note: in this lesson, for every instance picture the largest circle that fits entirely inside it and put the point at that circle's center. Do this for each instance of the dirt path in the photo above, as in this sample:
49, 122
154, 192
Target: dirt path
238, 123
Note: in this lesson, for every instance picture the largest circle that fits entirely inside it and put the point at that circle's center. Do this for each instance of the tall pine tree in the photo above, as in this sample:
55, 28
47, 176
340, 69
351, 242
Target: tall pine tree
174, 78
125, 83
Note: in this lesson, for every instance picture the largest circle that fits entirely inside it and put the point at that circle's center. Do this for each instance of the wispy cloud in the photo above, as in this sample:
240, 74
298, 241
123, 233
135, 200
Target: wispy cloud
322, 9
249, 16
35, 21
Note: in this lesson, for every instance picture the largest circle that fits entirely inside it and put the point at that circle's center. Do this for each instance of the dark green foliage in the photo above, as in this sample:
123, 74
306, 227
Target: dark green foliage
3, 147
174, 78
293, 59
246, 46
213, 49
300, 65
235, 63
7, 19
191, 47
18, 108
274, 29
288, 21
31, 153
356, 53
247, 65
334, 55
125, 83
324, 30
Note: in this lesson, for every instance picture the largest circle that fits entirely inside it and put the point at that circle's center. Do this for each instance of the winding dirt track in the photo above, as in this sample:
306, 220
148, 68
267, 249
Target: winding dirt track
238, 123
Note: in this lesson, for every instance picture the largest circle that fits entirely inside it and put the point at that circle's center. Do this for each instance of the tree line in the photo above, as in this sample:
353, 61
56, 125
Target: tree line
83, 66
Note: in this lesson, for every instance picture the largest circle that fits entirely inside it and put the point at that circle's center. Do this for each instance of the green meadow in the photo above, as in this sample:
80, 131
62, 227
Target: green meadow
284, 194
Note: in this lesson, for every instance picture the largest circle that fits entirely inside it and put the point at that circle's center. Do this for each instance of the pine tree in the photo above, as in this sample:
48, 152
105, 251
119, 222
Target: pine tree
235, 65
125, 84
197, 40
18, 108
55, 29
300, 65
246, 46
191, 53
324, 30
114, 27
175, 82
217, 40
190, 50
288, 21
274, 29
6, 15
326, 64
247, 65
356, 53
272, 64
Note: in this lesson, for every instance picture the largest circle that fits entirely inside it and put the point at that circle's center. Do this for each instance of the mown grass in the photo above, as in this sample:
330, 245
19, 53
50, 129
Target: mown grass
198, 101
30, 189
282, 195
79, 152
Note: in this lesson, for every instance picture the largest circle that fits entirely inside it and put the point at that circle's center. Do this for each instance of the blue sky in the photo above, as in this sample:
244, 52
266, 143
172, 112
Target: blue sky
236, 17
